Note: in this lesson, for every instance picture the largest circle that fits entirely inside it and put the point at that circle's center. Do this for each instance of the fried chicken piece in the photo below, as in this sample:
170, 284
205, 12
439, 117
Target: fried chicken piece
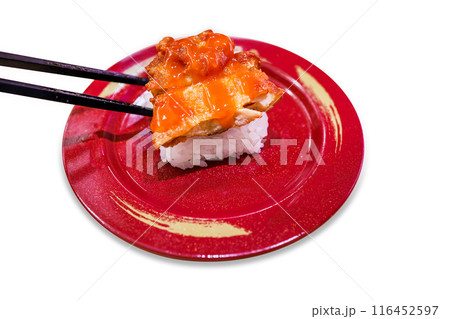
235, 98
201, 87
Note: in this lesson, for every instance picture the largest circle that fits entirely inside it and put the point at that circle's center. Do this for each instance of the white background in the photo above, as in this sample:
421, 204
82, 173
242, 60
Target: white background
390, 239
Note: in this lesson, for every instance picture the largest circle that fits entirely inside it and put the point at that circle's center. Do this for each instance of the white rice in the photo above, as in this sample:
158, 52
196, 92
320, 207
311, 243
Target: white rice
232, 143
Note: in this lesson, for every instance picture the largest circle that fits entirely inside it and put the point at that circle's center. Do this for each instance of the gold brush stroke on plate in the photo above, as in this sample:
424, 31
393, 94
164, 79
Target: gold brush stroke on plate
181, 225
326, 103
113, 87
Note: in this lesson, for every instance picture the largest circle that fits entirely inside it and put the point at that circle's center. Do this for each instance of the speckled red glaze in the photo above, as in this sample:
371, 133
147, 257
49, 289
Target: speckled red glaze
95, 163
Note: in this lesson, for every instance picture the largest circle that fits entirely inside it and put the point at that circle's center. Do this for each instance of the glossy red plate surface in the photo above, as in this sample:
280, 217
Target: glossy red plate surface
222, 211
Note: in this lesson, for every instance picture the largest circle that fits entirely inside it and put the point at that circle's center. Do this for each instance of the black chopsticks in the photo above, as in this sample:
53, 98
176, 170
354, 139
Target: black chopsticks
29, 63
46, 93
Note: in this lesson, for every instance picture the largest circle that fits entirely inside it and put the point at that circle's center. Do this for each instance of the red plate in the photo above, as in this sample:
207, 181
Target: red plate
222, 211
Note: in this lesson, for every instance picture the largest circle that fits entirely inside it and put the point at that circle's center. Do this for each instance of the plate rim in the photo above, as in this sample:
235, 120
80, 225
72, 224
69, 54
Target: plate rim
117, 66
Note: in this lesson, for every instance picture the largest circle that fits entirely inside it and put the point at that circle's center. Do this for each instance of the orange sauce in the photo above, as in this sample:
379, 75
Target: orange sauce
215, 98
197, 57
169, 112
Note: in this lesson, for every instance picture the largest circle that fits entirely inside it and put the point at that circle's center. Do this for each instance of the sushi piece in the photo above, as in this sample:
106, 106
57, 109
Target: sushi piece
233, 143
201, 87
